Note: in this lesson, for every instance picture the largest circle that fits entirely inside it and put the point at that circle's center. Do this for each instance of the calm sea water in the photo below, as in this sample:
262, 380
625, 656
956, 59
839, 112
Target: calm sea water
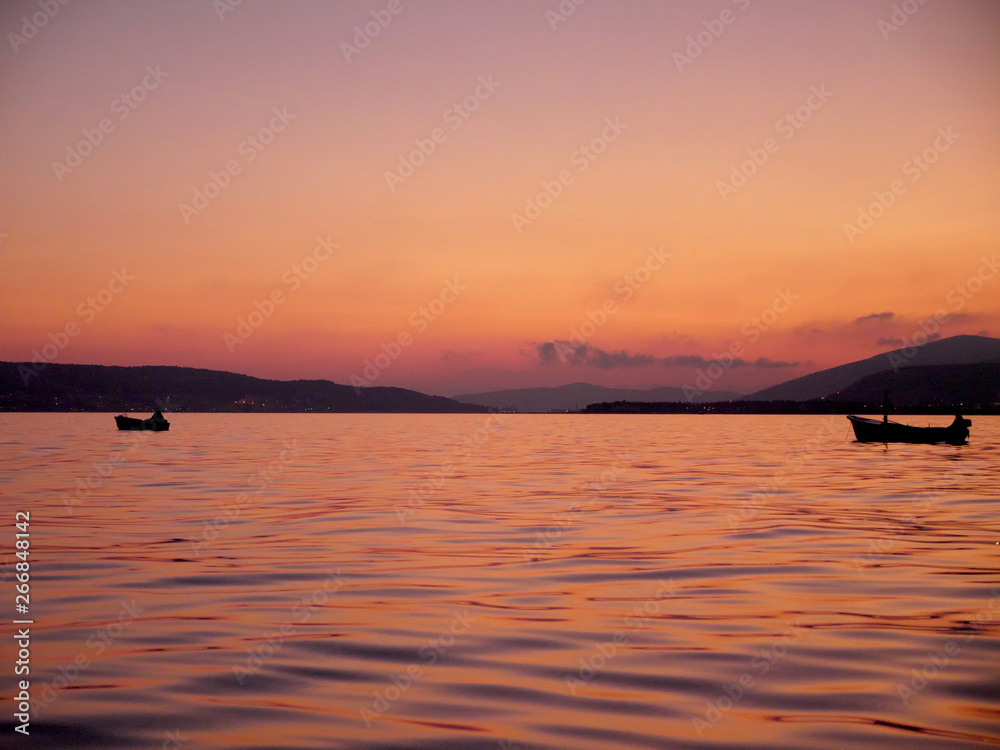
421, 581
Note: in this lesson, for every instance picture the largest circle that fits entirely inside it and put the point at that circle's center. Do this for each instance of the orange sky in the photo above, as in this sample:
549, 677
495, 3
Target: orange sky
610, 111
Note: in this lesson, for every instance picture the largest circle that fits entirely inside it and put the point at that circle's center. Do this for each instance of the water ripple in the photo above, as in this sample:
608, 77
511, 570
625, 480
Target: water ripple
735, 582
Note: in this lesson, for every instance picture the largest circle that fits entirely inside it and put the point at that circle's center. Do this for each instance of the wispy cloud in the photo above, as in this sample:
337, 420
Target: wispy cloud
692, 360
600, 358
773, 364
876, 316
551, 352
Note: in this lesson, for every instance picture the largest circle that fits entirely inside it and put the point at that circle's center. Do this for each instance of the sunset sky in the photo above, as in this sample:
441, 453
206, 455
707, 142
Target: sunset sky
481, 180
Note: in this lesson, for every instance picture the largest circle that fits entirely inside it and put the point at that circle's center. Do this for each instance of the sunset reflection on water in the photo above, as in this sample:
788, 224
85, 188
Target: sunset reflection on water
441, 581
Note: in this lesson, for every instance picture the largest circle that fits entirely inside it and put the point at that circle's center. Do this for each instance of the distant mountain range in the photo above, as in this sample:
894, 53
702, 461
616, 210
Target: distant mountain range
955, 350
957, 371
141, 389
917, 386
961, 373
576, 396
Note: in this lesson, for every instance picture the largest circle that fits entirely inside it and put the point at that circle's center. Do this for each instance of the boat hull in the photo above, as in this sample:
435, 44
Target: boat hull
875, 431
130, 423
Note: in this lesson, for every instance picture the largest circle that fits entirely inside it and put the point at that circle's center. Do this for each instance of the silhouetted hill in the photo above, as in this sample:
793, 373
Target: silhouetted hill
931, 389
955, 350
142, 389
976, 384
575, 396
814, 406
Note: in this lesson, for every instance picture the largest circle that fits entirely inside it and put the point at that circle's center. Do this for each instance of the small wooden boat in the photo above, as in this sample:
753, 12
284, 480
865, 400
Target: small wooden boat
883, 431
156, 423
873, 431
